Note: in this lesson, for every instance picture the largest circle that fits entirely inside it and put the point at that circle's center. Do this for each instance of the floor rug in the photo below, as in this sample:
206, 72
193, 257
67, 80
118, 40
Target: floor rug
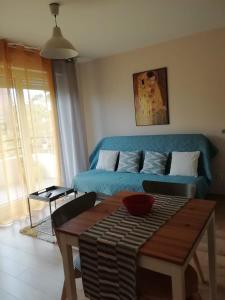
42, 231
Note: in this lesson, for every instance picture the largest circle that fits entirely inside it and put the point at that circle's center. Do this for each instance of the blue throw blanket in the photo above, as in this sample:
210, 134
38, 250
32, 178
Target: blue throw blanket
112, 182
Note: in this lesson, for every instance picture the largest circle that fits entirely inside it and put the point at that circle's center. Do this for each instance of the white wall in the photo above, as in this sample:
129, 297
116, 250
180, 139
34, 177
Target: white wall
196, 83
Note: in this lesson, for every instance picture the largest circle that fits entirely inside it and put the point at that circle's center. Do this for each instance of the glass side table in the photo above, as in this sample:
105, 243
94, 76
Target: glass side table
49, 195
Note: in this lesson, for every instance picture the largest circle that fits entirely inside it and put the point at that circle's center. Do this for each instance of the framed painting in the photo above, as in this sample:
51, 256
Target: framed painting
151, 97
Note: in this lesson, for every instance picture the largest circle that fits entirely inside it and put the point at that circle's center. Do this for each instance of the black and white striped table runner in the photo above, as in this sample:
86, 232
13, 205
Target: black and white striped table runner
108, 250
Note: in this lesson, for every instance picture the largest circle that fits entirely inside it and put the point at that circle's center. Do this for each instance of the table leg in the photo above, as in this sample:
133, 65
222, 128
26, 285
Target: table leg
28, 202
178, 284
50, 211
212, 258
67, 256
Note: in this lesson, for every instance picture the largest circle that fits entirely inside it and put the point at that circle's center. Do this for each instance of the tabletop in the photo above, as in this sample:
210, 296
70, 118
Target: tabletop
56, 193
172, 242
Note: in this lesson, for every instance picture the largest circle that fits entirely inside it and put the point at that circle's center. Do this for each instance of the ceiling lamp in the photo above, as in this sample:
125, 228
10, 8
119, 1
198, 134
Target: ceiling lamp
57, 47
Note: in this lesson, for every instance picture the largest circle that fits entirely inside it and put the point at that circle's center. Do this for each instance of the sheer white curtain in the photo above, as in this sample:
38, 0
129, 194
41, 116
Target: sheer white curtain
29, 158
71, 121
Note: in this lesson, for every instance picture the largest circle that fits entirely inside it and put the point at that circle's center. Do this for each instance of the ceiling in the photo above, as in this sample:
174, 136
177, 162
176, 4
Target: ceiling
104, 27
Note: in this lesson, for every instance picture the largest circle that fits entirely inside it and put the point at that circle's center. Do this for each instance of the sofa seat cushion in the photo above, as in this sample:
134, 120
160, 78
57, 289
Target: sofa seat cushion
109, 183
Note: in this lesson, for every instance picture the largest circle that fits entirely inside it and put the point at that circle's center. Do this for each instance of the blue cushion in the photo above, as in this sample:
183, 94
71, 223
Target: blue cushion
129, 162
109, 183
154, 163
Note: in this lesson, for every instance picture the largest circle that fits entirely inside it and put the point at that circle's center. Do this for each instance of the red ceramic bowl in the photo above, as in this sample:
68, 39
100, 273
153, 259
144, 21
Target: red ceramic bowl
138, 204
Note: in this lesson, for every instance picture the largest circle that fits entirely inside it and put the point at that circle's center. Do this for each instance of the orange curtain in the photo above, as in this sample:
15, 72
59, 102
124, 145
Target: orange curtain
29, 156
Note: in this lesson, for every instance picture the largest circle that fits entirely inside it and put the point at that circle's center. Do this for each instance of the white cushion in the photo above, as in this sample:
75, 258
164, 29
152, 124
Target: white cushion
185, 163
107, 160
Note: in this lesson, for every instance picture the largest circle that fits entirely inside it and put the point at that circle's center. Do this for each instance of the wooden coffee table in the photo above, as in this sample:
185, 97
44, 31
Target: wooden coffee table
169, 251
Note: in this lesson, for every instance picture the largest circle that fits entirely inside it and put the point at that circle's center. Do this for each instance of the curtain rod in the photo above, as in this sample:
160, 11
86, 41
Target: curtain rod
11, 44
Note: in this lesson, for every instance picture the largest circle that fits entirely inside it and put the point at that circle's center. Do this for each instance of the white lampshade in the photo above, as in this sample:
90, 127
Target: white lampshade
58, 47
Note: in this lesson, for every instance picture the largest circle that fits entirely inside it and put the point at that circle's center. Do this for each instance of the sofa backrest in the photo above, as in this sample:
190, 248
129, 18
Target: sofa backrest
161, 143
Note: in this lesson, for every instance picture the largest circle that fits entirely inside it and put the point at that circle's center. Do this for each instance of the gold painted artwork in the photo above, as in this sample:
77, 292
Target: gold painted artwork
151, 97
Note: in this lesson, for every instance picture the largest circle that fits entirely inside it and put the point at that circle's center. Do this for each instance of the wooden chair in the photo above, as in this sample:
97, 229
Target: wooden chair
64, 214
175, 189
170, 188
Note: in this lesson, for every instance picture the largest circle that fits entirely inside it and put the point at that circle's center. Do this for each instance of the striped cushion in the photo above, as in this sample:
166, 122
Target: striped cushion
154, 163
129, 162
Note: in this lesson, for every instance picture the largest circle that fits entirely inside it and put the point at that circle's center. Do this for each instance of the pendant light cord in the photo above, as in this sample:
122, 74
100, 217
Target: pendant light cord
56, 21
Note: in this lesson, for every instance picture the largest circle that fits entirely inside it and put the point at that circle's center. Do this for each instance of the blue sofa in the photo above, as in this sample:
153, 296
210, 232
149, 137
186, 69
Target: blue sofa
109, 183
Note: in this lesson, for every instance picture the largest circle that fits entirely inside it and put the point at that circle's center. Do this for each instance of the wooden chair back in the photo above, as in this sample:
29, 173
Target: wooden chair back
169, 188
72, 209
66, 212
